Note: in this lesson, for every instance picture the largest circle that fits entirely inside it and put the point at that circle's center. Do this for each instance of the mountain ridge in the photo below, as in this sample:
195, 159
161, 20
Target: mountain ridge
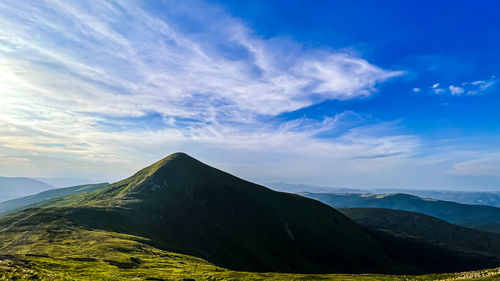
474, 216
16, 187
32, 200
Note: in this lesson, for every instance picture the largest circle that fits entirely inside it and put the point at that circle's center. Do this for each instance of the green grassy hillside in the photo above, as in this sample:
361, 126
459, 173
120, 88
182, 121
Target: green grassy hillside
428, 241
475, 216
29, 201
182, 205
61, 251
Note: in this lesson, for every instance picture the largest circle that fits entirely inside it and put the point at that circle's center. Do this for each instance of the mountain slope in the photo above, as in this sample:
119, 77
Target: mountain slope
183, 205
62, 252
476, 216
11, 188
429, 241
24, 202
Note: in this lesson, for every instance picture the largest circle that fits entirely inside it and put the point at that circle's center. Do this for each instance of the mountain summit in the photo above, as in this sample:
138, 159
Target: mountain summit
182, 205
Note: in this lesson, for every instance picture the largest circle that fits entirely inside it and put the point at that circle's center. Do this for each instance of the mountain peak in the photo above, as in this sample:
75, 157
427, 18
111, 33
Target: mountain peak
184, 205
174, 159
178, 155
166, 176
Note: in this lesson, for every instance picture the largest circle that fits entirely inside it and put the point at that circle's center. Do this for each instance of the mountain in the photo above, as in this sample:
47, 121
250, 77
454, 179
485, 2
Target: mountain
24, 202
428, 241
182, 205
11, 188
297, 188
475, 216
489, 198
65, 182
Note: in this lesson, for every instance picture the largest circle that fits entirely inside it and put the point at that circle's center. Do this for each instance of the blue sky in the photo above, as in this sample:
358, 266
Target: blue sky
340, 93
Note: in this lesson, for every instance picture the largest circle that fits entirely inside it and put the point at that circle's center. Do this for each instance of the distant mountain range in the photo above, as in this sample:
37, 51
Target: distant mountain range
29, 201
490, 198
297, 188
475, 216
11, 188
66, 182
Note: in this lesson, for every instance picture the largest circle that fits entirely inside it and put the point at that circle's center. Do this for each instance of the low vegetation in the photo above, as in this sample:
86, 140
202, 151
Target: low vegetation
54, 252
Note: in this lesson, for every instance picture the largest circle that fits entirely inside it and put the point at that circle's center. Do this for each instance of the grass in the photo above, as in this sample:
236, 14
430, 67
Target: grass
55, 253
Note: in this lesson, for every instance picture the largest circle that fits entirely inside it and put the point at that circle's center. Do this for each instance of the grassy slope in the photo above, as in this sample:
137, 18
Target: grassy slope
59, 251
475, 216
428, 240
29, 201
183, 205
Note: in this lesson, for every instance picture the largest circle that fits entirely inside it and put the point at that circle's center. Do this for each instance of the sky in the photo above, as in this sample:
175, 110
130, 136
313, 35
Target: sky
365, 94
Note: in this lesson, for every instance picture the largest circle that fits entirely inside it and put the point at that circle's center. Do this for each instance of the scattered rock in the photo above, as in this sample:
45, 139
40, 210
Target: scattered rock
135, 260
84, 259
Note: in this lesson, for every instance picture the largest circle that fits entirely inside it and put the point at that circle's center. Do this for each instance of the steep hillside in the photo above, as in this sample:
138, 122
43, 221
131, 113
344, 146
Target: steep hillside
476, 216
11, 188
183, 205
428, 241
28, 201
59, 251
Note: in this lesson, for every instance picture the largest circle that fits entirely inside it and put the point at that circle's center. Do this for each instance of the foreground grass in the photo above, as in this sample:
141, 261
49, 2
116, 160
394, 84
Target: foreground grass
51, 252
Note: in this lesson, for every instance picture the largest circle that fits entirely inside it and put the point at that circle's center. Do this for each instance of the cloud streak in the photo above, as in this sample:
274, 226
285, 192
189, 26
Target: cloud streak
465, 88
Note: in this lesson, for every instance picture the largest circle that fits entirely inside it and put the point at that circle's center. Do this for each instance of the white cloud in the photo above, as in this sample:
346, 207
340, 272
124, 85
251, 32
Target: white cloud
438, 91
416, 90
456, 90
148, 65
478, 87
465, 88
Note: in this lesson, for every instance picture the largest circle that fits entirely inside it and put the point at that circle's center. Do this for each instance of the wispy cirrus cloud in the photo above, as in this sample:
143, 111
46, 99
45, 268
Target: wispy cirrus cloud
465, 88
112, 84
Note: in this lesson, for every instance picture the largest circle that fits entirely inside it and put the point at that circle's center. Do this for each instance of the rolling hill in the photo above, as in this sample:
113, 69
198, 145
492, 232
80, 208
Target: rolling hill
24, 202
297, 188
11, 188
425, 240
489, 198
182, 205
475, 216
